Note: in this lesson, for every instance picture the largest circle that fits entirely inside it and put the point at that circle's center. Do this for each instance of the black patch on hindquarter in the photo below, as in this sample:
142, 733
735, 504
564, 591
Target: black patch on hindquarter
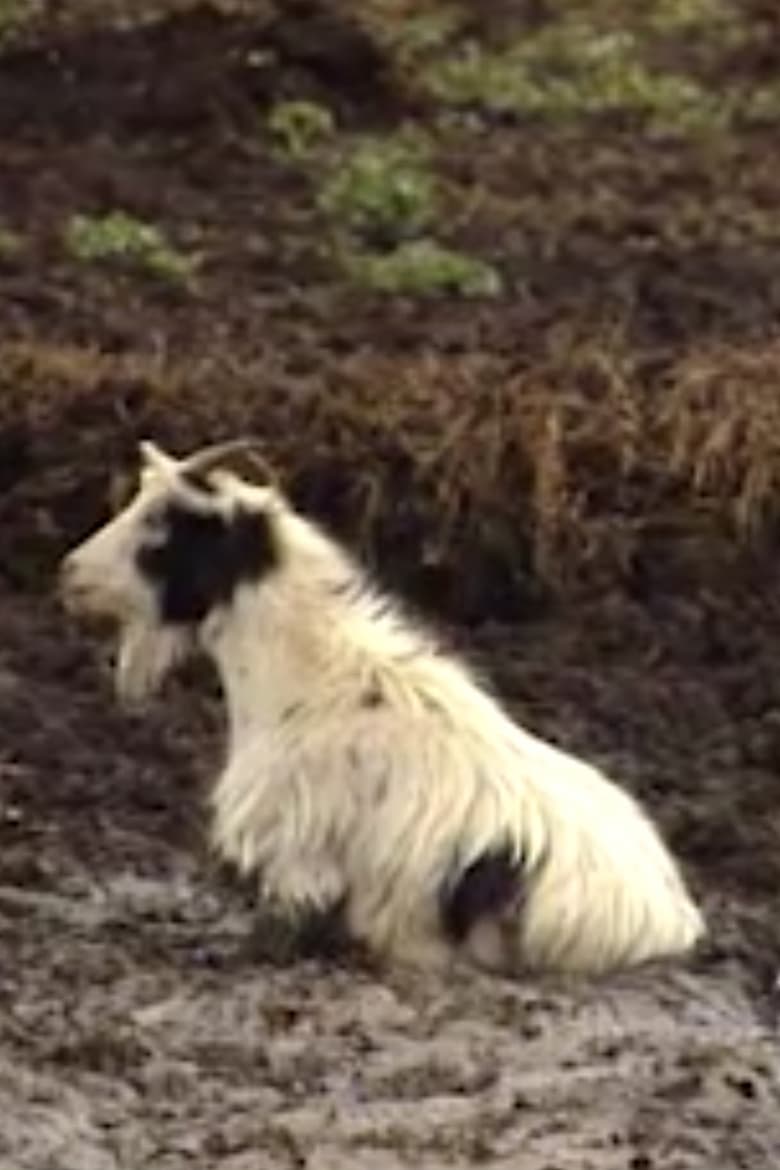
204, 557
372, 697
482, 890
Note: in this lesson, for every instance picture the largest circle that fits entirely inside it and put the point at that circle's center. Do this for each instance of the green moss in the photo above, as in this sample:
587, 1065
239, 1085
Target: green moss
424, 267
383, 189
119, 237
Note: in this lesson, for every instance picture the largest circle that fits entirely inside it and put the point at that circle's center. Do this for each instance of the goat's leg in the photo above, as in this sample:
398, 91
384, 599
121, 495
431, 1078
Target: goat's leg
412, 940
299, 886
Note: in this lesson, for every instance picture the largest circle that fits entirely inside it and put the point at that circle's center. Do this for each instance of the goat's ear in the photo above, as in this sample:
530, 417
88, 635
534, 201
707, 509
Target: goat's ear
155, 458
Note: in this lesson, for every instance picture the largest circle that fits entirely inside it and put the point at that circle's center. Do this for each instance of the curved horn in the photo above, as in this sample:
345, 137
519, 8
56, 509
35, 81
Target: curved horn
154, 456
244, 456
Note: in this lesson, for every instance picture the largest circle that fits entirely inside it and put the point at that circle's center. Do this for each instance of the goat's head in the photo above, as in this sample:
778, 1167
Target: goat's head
194, 533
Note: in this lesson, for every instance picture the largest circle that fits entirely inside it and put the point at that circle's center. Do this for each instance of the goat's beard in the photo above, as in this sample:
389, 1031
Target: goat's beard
146, 656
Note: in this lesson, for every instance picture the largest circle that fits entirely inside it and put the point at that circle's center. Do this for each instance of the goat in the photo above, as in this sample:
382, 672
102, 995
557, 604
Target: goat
367, 768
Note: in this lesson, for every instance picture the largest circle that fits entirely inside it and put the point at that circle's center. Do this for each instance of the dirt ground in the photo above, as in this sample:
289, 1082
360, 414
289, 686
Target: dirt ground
149, 1015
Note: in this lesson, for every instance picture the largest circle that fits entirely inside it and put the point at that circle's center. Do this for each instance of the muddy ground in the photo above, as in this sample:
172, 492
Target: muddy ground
149, 1015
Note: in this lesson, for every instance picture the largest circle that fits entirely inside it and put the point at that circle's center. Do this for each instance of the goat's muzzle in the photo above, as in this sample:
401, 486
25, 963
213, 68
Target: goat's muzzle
77, 595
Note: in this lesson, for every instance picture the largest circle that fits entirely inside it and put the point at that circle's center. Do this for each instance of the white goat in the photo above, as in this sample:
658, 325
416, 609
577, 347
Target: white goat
366, 768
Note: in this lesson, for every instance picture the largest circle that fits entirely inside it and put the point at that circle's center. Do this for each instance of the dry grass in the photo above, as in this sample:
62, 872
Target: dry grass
561, 470
720, 419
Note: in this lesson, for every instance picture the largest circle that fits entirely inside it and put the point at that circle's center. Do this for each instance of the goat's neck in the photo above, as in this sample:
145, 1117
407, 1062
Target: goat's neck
311, 634
269, 656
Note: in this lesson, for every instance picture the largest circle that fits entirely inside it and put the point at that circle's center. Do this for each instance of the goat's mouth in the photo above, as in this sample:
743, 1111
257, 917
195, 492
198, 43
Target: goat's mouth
88, 603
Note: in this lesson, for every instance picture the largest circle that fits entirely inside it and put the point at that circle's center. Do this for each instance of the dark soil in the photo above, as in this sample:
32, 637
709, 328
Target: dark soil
626, 606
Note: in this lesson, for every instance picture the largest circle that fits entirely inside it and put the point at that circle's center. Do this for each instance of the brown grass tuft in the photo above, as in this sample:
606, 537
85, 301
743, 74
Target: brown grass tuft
720, 419
562, 475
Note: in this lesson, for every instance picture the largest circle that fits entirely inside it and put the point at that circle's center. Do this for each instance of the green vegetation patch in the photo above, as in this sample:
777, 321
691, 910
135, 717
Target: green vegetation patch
585, 64
662, 15
572, 67
382, 188
422, 32
301, 126
424, 267
119, 237
380, 195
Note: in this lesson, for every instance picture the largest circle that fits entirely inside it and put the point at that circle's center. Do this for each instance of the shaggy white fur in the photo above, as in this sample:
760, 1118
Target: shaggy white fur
366, 766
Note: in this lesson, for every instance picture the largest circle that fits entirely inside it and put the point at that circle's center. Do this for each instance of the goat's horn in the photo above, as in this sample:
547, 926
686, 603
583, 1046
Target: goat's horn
245, 454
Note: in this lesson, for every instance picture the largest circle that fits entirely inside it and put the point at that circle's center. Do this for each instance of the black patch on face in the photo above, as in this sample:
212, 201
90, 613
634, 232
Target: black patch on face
482, 890
204, 558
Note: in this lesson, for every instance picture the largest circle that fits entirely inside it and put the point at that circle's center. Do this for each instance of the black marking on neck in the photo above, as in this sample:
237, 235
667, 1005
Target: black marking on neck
483, 889
204, 557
